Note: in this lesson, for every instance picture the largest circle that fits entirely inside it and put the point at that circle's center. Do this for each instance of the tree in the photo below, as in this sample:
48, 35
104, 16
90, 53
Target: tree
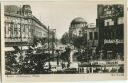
11, 63
65, 38
79, 41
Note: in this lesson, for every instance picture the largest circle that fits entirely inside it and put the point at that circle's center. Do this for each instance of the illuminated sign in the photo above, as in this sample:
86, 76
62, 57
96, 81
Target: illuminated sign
113, 41
105, 11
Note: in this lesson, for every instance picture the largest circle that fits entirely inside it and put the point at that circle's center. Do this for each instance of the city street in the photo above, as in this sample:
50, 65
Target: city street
64, 41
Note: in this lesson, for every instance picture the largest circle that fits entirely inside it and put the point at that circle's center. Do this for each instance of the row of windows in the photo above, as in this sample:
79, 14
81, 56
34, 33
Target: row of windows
40, 33
17, 20
27, 14
110, 22
39, 27
93, 35
113, 33
13, 26
113, 10
15, 30
79, 25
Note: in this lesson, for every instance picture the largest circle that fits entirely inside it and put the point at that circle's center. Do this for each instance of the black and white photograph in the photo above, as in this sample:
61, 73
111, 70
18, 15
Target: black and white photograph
64, 38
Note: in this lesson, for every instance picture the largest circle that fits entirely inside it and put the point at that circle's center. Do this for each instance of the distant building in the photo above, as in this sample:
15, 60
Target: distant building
92, 35
77, 26
110, 21
21, 27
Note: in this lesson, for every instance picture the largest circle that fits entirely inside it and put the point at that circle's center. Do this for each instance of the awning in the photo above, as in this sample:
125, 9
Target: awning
9, 49
23, 47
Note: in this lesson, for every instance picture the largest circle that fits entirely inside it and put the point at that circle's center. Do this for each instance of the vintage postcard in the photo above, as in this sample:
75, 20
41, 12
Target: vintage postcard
63, 40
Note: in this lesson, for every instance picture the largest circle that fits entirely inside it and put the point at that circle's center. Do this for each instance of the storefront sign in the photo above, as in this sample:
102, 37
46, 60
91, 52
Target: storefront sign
113, 41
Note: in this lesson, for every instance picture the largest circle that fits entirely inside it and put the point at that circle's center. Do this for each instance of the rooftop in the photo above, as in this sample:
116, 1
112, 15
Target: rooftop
78, 20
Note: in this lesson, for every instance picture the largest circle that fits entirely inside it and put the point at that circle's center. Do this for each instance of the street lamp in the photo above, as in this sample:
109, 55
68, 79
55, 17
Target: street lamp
48, 40
53, 40
49, 48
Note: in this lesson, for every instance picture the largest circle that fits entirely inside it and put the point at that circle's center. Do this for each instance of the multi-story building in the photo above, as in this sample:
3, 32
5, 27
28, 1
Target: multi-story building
79, 27
21, 27
92, 38
111, 28
87, 36
92, 35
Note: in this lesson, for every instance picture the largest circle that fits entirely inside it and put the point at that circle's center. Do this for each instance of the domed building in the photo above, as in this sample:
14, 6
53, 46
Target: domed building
83, 35
77, 25
80, 28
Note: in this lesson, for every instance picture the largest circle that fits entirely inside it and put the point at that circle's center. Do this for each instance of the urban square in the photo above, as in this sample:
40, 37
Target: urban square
33, 47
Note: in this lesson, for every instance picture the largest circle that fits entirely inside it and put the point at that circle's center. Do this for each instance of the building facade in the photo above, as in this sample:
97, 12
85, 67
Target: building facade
78, 33
22, 27
86, 36
77, 26
111, 29
92, 35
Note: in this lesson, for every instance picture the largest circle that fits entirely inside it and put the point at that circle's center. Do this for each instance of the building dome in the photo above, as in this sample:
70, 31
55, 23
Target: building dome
26, 8
77, 26
78, 20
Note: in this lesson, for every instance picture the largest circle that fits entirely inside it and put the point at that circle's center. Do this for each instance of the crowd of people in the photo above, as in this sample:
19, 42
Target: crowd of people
32, 60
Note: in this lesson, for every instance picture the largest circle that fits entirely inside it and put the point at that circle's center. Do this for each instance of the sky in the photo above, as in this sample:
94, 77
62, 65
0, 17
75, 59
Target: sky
59, 15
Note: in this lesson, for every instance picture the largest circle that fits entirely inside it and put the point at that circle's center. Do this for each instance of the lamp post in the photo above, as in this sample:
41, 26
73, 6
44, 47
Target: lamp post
53, 41
21, 30
49, 48
48, 41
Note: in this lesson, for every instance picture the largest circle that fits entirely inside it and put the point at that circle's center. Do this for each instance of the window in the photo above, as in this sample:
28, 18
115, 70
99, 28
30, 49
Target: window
80, 33
5, 30
29, 20
18, 30
120, 20
108, 22
108, 12
96, 35
90, 35
15, 30
29, 31
111, 22
11, 30
24, 26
